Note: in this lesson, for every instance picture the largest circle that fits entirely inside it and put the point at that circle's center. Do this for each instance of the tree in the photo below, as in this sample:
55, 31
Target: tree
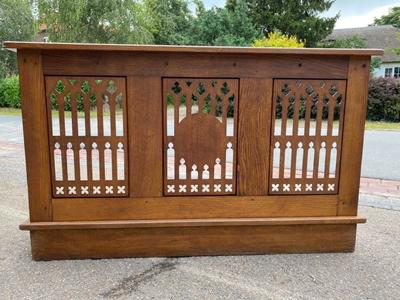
171, 20
294, 19
96, 21
392, 18
16, 23
223, 27
277, 39
354, 41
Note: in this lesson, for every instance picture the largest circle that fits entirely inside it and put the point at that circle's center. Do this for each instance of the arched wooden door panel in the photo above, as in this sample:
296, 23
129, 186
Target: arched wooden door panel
200, 136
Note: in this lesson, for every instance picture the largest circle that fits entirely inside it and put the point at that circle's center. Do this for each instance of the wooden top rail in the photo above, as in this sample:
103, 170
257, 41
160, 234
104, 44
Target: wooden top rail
190, 49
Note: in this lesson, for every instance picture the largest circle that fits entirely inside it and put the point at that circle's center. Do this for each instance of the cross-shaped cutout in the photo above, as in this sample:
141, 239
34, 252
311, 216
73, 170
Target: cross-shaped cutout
84, 190
217, 188
205, 188
72, 190
331, 186
170, 188
121, 189
228, 187
308, 187
275, 187
59, 190
194, 188
320, 187
297, 187
286, 187
109, 189
96, 190
182, 188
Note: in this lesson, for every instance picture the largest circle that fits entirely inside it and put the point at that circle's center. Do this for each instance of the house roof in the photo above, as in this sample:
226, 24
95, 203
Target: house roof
384, 37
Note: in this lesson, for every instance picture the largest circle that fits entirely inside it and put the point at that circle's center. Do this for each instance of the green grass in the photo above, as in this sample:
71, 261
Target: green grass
8, 111
369, 125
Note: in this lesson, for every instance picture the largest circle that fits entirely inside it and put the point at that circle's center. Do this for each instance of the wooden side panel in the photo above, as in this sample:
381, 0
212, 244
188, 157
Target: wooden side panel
353, 135
145, 136
305, 139
175, 241
35, 134
254, 128
194, 207
87, 134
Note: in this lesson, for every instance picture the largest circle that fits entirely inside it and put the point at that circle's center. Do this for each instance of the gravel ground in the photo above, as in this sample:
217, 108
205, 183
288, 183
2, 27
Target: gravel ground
371, 272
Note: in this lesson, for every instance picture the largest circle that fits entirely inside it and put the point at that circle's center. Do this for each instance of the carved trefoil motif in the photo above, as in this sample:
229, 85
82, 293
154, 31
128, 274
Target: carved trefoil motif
200, 136
306, 136
87, 135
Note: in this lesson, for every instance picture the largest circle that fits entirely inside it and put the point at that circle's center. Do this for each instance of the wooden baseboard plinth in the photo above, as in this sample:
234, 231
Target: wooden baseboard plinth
80, 240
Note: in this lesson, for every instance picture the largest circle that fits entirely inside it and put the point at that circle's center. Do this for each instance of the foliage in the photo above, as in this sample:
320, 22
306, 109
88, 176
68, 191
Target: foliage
9, 92
221, 26
16, 23
354, 41
375, 63
392, 18
294, 19
384, 99
171, 20
278, 39
96, 21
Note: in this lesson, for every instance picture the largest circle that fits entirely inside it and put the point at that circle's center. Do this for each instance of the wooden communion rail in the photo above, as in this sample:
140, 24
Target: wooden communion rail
172, 151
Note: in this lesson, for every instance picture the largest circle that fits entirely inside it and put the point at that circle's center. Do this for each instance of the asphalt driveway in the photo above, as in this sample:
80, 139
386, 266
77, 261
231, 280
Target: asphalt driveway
380, 158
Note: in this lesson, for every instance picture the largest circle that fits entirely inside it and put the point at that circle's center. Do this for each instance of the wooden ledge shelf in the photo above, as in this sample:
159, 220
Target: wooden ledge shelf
191, 223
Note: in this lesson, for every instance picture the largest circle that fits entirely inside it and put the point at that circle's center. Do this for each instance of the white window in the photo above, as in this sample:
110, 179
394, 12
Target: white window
388, 72
396, 72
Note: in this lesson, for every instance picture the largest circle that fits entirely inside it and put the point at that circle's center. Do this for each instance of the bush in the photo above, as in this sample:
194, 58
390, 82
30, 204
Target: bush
384, 99
9, 92
278, 39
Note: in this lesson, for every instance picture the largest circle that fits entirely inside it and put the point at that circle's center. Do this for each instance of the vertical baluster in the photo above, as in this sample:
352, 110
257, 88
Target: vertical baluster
63, 148
308, 103
321, 93
331, 113
99, 104
284, 103
295, 133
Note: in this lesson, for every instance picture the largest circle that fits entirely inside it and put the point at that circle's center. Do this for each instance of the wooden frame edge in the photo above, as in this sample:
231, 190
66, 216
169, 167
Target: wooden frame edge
191, 223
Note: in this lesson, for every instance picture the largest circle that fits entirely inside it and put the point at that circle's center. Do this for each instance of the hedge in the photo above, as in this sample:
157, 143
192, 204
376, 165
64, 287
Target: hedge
383, 97
9, 92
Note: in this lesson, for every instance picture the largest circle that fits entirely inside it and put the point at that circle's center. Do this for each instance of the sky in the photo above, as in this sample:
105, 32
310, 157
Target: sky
353, 13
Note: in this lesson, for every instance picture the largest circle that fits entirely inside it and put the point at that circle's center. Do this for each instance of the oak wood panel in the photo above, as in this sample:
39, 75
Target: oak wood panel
201, 65
200, 138
254, 125
191, 223
353, 135
187, 49
80, 144
194, 207
145, 136
291, 95
34, 118
184, 241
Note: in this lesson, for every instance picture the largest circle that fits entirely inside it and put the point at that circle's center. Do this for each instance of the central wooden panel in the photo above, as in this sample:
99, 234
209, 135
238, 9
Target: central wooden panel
200, 136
